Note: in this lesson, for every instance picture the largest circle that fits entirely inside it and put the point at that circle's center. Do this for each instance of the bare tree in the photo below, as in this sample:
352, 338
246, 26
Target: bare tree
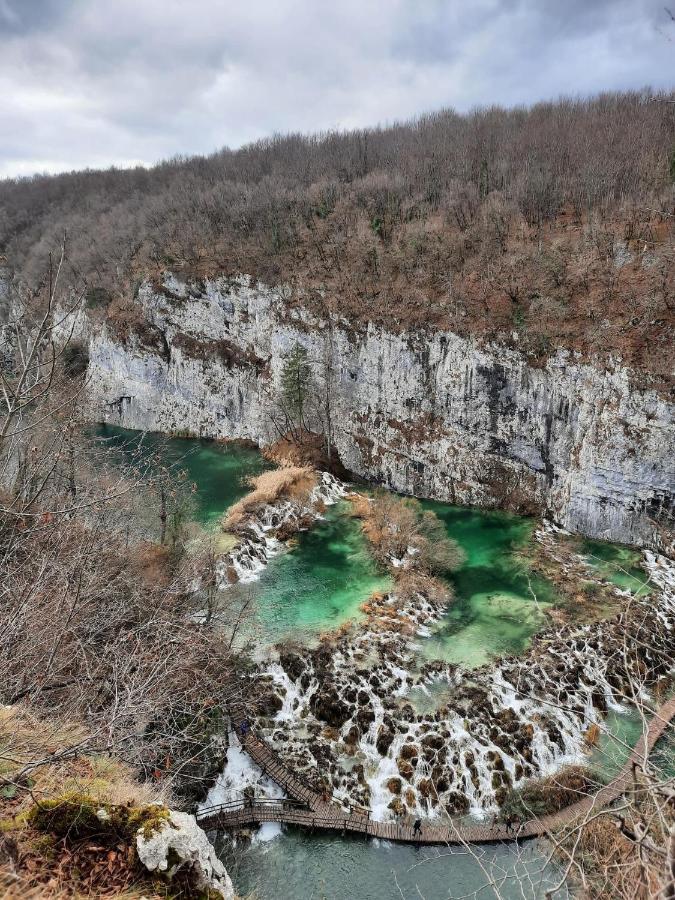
100, 625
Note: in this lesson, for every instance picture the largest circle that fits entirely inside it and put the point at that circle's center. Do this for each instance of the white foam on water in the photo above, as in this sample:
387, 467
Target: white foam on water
239, 773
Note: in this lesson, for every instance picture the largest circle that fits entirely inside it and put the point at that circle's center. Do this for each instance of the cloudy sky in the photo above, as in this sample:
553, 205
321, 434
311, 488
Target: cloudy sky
103, 82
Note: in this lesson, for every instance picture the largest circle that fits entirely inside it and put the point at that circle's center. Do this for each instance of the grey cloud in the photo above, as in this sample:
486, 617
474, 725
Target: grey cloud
21, 17
102, 82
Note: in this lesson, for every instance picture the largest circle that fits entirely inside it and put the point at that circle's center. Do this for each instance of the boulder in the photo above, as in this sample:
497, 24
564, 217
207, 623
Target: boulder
456, 804
434, 741
269, 704
180, 846
405, 770
353, 735
365, 716
327, 706
292, 664
394, 785
385, 736
409, 751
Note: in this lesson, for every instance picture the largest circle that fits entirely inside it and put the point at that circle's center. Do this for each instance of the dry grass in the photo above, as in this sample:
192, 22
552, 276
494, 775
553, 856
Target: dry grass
614, 867
33, 865
291, 483
25, 738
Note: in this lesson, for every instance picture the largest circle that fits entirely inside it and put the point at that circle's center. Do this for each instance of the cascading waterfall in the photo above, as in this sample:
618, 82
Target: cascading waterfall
239, 776
259, 542
522, 717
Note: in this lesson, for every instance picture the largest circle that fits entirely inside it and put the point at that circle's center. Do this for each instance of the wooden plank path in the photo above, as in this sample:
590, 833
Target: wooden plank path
309, 810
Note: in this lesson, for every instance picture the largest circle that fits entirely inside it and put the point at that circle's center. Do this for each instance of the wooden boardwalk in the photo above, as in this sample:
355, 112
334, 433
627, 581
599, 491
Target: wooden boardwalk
309, 810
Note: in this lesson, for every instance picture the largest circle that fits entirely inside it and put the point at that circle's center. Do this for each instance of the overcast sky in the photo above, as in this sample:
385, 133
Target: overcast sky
103, 82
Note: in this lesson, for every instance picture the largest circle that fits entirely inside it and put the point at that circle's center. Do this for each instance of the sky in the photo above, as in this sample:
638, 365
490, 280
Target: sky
95, 83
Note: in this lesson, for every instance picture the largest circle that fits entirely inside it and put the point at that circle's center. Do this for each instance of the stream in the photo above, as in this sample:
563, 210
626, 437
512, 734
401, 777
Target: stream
319, 582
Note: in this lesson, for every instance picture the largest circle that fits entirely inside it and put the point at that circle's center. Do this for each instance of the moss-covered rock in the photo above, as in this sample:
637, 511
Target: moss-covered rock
167, 845
179, 848
81, 815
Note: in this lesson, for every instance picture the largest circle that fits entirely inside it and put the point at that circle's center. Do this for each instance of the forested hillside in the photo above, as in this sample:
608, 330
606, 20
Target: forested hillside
546, 227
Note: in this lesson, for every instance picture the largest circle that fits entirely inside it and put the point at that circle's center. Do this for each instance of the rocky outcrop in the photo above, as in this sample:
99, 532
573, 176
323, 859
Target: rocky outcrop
430, 414
180, 846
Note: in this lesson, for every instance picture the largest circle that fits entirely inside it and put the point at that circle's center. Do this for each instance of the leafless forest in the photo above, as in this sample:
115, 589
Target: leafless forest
100, 625
554, 223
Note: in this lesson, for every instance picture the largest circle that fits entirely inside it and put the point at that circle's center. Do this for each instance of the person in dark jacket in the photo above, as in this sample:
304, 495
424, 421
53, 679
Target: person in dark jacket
417, 827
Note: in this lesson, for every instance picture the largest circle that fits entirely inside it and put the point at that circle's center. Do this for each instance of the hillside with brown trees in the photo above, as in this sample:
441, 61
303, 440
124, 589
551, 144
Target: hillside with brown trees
544, 227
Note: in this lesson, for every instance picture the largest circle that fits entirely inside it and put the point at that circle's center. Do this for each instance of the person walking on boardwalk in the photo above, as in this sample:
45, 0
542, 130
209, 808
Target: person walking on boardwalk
417, 827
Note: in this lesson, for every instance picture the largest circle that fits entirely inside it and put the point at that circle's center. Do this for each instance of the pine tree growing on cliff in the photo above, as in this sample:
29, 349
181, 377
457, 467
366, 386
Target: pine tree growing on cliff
296, 380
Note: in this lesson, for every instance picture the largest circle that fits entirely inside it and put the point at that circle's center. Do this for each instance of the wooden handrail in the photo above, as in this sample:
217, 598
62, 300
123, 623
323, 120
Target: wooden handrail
307, 808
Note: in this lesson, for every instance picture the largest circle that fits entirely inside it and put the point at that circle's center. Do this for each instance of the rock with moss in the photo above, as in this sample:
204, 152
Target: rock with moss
179, 846
168, 843
77, 816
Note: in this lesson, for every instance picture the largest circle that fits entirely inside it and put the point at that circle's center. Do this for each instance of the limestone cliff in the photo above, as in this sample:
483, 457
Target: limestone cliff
430, 414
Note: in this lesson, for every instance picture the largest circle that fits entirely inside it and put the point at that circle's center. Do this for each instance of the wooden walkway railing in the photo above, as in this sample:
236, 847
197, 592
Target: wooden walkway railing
308, 809
262, 754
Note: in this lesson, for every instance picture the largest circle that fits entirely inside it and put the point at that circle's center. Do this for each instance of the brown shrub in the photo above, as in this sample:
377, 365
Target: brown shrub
397, 525
543, 796
292, 483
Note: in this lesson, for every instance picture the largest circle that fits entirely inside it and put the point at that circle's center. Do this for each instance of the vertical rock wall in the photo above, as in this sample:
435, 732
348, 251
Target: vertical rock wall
430, 414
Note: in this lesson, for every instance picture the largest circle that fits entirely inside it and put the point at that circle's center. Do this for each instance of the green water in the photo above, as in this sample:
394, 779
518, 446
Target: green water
299, 866
496, 609
219, 471
318, 585
620, 565
618, 736
321, 583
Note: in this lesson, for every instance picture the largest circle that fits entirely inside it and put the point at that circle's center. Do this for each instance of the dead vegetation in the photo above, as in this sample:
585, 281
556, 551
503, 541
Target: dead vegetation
547, 227
405, 537
628, 852
291, 483
309, 451
52, 842
543, 796
583, 595
112, 687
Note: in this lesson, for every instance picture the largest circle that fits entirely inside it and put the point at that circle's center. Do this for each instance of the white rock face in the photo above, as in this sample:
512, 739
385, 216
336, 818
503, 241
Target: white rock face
183, 838
430, 414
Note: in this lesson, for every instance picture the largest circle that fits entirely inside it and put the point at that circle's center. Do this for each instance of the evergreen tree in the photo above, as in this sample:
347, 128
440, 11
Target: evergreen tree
296, 380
